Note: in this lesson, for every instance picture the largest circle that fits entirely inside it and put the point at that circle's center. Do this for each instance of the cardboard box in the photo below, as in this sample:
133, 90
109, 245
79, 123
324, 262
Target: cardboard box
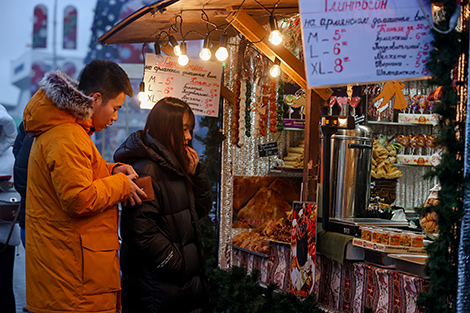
425, 119
423, 160
387, 248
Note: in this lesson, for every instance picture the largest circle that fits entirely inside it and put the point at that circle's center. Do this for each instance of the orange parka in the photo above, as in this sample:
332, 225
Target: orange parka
71, 206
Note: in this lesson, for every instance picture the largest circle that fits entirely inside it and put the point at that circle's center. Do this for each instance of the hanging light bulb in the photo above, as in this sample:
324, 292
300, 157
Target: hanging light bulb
222, 54
158, 53
176, 46
205, 53
142, 96
275, 37
276, 68
183, 58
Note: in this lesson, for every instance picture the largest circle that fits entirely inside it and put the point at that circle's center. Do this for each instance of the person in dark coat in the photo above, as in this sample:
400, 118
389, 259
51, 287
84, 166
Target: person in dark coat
21, 150
162, 262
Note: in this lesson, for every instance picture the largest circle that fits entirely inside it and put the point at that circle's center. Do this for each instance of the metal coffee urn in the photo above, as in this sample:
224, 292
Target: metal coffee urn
346, 165
351, 154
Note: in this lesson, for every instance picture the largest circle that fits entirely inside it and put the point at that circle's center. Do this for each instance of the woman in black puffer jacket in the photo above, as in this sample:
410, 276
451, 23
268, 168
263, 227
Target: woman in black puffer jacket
162, 262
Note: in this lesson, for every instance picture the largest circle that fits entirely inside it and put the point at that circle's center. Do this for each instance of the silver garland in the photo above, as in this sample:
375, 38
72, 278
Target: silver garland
463, 270
241, 161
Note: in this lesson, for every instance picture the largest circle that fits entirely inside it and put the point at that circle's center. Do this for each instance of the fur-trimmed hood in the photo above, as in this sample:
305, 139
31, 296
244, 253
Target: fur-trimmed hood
58, 101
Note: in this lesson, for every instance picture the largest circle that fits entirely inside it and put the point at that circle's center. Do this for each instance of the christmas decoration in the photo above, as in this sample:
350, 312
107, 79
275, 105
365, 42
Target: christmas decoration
272, 107
389, 90
248, 109
442, 252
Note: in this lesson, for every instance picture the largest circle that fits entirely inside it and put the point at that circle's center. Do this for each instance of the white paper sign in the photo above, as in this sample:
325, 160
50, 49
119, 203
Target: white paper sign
364, 41
197, 83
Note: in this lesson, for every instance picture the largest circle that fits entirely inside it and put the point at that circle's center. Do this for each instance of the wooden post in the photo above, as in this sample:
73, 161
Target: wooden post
312, 146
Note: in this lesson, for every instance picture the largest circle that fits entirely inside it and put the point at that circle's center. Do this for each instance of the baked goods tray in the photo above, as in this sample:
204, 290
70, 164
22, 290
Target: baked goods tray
280, 242
251, 252
288, 169
361, 221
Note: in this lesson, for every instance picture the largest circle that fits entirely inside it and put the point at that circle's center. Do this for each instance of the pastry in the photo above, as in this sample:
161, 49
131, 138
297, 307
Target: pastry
266, 204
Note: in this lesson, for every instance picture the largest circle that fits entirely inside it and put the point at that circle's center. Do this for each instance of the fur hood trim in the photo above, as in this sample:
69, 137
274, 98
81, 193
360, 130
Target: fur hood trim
63, 91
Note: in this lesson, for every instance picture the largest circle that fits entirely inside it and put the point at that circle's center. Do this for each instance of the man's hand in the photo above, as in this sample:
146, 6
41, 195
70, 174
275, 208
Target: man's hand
125, 169
193, 160
136, 194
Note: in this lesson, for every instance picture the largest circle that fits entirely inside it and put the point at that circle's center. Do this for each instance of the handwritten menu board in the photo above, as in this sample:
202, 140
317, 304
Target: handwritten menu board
364, 41
197, 83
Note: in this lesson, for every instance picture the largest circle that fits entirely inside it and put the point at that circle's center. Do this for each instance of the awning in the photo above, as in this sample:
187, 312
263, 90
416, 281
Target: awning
198, 18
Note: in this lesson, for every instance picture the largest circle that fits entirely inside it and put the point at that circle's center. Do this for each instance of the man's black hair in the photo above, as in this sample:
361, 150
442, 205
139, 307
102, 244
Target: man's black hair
105, 77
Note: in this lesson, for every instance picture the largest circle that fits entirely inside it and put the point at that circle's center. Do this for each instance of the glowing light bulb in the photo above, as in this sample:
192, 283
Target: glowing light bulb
205, 54
221, 54
183, 59
275, 70
177, 50
275, 37
142, 95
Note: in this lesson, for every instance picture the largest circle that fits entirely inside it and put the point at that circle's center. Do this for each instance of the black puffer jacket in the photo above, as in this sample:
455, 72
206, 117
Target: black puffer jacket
161, 254
21, 150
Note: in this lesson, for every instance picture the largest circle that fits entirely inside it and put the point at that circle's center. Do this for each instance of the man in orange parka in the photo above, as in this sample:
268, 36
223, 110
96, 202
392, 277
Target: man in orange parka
72, 193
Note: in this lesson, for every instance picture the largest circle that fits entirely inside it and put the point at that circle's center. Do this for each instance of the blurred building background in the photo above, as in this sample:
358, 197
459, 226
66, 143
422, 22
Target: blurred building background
61, 34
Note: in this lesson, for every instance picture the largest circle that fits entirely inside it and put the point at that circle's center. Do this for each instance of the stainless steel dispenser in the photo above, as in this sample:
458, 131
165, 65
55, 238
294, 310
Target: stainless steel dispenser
350, 166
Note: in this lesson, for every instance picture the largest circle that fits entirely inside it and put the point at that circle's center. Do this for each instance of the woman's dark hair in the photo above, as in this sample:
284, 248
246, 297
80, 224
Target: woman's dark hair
165, 123
105, 77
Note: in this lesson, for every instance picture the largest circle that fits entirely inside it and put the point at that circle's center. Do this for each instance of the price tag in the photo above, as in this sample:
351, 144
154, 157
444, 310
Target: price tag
364, 41
268, 149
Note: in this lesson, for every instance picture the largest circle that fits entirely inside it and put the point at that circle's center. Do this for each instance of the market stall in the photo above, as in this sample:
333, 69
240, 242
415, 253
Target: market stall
342, 137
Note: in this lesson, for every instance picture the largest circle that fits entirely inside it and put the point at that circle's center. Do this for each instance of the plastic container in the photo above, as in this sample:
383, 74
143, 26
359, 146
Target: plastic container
366, 233
417, 240
405, 239
375, 233
379, 236
394, 238
386, 237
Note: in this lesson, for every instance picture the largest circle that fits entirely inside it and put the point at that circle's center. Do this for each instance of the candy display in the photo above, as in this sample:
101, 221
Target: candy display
418, 149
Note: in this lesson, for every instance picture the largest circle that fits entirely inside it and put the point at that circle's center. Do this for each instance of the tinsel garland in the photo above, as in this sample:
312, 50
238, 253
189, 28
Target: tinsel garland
242, 110
441, 266
248, 109
272, 107
280, 106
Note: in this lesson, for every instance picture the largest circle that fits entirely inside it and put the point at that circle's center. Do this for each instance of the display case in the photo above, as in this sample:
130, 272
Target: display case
413, 133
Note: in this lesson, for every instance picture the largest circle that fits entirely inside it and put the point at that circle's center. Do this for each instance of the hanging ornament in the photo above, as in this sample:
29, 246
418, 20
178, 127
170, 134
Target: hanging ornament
248, 109
264, 116
389, 90
236, 113
272, 107
257, 109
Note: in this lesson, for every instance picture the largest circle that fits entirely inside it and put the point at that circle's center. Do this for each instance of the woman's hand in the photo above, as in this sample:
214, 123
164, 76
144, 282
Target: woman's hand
193, 160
